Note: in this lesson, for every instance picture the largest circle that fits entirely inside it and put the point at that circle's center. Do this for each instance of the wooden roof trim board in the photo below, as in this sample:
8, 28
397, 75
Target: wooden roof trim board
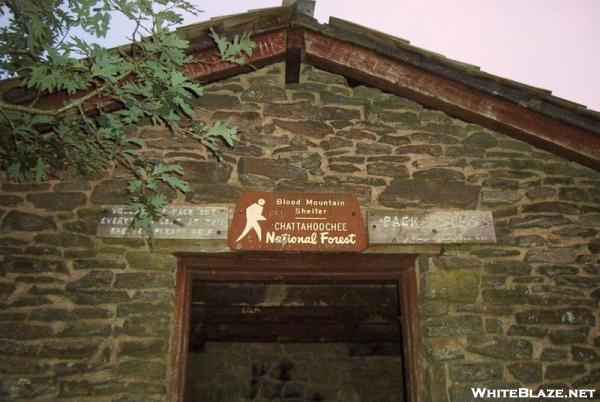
469, 74
269, 48
534, 98
459, 89
491, 101
538, 99
453, 97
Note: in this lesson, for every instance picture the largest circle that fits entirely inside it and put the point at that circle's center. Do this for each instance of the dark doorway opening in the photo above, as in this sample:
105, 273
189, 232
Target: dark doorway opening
295, 341
296, 328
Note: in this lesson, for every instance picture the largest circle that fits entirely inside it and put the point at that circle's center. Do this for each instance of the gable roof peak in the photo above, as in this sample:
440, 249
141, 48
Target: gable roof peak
306, 7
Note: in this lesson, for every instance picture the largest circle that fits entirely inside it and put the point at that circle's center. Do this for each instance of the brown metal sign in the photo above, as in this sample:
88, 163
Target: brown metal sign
297, 222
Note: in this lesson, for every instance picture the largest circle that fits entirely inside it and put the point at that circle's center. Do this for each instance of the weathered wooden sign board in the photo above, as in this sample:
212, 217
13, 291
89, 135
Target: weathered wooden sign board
179, 222
297, 222
430, 227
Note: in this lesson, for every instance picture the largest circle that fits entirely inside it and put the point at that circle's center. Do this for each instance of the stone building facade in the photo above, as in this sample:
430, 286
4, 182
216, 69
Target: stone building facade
85, 318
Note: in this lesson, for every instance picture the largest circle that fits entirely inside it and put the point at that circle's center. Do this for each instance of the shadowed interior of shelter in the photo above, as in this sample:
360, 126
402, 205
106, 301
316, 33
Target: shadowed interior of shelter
295, 341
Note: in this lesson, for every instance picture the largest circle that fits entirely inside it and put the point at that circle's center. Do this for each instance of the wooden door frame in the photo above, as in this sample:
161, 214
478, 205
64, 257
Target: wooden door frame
297, 267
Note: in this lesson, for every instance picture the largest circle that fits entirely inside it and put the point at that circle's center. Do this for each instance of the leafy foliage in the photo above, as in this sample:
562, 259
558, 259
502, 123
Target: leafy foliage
145, 80
236, 50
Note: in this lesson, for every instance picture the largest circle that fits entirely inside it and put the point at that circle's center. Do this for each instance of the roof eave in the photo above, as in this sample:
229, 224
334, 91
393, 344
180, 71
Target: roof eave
461, 90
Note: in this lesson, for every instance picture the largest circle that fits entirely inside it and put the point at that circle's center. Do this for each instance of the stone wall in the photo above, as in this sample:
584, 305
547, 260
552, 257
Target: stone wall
262, 372
88, 318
